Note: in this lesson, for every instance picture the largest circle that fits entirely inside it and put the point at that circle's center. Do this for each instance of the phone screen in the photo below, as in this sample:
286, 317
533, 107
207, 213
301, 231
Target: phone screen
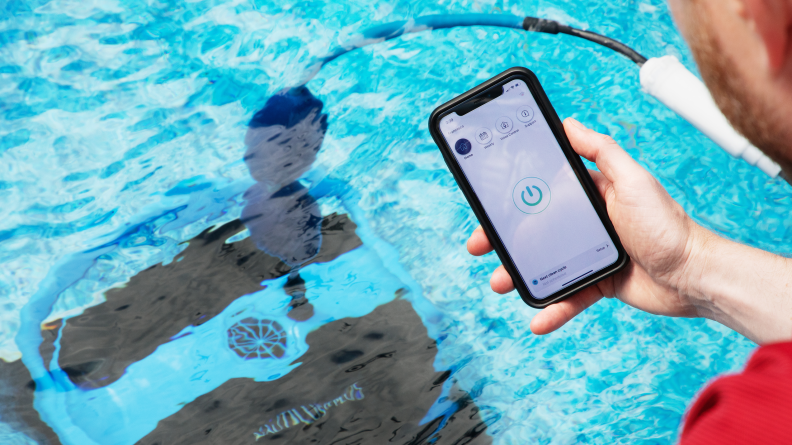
522, 178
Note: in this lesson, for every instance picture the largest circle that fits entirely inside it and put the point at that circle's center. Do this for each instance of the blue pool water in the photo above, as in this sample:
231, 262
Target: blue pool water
122, 135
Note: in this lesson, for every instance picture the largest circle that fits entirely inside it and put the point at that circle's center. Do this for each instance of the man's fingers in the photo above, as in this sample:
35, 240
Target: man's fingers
501, 282
479, 244
556, 315
601, 182
600, 149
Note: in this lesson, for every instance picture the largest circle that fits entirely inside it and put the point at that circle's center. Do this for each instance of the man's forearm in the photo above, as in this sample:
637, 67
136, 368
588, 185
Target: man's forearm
746, 289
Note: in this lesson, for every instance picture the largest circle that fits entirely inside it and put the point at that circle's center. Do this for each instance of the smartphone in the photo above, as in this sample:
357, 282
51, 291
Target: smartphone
532, 194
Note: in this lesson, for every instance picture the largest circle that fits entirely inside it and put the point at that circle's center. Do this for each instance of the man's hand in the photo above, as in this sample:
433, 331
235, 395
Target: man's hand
657, 234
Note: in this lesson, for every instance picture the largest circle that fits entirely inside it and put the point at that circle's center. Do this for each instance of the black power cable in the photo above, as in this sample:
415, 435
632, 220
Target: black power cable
388, 31
534, 24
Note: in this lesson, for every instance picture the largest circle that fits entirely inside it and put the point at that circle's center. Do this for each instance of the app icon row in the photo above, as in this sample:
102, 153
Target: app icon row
504, 124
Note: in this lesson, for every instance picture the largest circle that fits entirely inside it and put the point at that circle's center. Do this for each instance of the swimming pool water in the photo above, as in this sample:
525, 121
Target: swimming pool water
121, 143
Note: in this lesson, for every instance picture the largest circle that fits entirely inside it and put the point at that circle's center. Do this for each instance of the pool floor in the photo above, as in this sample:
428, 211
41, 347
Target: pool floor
179, 263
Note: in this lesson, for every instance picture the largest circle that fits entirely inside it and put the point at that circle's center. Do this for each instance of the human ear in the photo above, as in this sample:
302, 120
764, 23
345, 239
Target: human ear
772, 22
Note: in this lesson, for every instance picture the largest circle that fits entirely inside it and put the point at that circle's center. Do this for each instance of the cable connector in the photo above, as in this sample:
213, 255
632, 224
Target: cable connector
534, 24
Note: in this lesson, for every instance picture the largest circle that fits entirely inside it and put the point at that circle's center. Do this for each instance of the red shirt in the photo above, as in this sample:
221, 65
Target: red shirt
752, 407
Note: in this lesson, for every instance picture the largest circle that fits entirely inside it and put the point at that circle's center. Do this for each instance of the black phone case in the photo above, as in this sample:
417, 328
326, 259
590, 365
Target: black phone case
574, 159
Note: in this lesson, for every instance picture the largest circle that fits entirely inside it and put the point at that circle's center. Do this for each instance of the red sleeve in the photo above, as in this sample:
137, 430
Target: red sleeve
752, 407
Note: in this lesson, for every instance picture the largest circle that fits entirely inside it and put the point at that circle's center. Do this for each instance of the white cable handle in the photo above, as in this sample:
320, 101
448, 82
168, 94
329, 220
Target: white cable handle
671, 83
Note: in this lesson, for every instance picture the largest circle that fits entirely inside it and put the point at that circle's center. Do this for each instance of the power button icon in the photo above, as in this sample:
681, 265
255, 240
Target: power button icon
531, 195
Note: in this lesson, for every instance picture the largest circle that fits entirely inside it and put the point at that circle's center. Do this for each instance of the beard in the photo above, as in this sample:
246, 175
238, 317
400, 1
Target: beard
740, 101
